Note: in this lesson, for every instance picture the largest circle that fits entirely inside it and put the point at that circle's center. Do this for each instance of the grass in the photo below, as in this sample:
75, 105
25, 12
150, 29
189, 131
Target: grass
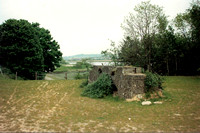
57, 106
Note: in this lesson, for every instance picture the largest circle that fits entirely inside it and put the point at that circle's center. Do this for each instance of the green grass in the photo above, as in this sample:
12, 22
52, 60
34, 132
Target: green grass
57, 106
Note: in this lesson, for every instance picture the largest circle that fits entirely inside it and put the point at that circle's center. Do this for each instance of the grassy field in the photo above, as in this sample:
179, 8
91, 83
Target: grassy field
57, 106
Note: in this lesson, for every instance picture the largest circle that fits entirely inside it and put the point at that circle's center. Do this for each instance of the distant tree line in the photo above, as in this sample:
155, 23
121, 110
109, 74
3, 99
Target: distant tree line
152, 42
27, 48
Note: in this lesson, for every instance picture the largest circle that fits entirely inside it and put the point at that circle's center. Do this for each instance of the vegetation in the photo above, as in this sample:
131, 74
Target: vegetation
37, 105
158, 46
63, 62
84, 83
100, 88
83, 64
26, 48
153, 82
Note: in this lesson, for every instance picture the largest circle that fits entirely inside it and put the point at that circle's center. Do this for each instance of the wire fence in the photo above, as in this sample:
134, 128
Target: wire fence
70, 75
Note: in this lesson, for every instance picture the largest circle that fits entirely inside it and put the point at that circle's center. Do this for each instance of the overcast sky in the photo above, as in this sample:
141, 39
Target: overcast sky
82, 26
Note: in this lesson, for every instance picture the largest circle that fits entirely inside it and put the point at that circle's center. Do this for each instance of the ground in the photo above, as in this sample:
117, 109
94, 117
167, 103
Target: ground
56, 105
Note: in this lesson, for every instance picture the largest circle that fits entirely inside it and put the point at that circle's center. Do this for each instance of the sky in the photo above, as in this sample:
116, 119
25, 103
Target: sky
82, 26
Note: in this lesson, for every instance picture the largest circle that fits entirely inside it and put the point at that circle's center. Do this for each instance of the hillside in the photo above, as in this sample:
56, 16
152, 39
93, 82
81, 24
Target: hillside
82, 56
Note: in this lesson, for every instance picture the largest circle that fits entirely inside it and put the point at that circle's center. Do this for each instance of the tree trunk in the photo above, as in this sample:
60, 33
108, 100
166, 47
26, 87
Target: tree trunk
176, 65
16, 76
167, 67
35, 75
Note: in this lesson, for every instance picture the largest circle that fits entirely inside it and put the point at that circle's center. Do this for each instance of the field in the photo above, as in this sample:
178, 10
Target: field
56, 105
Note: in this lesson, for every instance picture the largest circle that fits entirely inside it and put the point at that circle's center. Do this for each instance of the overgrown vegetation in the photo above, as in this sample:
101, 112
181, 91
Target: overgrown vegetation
153, 82
100, 88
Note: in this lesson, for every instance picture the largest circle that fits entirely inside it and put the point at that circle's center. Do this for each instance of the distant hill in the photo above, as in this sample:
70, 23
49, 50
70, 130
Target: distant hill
83, 56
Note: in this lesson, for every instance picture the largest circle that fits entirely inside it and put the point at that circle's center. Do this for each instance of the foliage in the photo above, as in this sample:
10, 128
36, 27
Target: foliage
63, 61
148, 19
83, 64
84, 83
100, 88
130, 52
150, 42
152, 82
112, 53
78, 76
81, 76
26, 48
142, 25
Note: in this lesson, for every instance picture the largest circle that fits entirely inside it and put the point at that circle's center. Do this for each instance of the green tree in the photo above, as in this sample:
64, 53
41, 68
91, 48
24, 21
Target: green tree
188, 27
83, 64
194, 14
112, 53
26, 48
147, 21
130, 52
52, 56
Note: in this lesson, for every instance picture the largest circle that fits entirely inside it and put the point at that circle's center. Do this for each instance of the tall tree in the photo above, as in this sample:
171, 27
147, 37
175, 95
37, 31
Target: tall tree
147, 20
23, 48
194, 14
131, 53
50, 47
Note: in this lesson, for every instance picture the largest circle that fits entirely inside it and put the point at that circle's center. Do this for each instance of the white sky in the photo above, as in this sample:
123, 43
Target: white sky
82, 26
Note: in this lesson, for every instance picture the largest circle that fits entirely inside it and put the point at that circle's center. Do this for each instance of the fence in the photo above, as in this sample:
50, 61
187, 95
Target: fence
6, 73
70, 75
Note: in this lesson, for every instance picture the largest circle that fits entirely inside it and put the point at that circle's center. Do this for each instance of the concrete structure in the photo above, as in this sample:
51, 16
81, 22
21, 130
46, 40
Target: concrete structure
128, 80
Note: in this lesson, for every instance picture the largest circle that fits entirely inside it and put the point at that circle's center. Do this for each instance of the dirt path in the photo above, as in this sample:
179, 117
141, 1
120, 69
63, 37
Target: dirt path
30, 113
48, 78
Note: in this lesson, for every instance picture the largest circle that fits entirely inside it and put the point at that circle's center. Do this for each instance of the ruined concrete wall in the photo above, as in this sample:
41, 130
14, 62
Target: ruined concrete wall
128, 80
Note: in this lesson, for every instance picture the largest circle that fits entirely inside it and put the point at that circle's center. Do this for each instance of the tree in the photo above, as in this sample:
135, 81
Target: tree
188, 26
83, 64
148, 19
194, 14
130, 52
50, 48
112, 53
144, 24
26, 48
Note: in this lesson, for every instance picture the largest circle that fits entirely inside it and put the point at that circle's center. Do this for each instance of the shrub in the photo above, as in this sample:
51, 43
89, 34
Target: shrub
102, 87
153, 82
78, 76
84, 83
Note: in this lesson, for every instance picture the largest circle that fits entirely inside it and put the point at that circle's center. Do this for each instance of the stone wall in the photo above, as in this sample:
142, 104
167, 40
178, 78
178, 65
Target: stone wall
128, 80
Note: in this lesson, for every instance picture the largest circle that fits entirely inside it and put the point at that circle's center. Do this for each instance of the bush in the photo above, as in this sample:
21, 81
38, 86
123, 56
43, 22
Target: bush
102, 87
81, 76
84, 83
153, 82
78, 76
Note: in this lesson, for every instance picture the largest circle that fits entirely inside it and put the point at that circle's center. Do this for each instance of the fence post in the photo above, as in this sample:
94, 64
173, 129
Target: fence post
66, 75
16, 76
35, 75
